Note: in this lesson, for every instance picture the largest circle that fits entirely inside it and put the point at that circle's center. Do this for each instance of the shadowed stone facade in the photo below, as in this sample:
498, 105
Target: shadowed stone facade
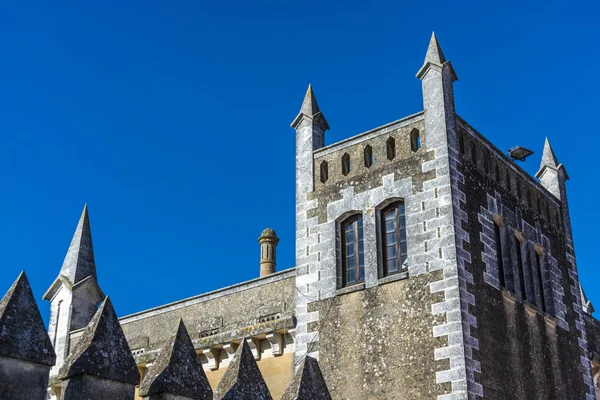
429, 265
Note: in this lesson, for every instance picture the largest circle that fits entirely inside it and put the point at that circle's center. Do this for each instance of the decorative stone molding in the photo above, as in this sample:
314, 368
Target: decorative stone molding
254, 345
212, 355
276, 340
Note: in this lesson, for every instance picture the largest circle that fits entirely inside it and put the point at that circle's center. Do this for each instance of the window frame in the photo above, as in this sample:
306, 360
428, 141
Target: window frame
357, 223
398, 229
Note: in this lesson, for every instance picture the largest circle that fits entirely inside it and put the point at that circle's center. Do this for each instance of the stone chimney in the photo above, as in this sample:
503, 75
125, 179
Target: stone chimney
268, 256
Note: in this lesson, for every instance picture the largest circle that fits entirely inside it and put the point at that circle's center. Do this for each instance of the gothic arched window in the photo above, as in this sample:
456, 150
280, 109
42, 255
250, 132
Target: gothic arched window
390, 147
353, 250
393, 233
324, 172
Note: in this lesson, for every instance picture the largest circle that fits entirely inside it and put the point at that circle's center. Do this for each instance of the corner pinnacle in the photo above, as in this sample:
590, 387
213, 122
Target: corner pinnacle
548, 156
434, 51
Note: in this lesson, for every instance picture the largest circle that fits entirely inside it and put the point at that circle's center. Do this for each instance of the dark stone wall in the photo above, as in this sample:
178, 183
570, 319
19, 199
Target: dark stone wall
93, 388
377, 343
524, 353
22, 380
592, 327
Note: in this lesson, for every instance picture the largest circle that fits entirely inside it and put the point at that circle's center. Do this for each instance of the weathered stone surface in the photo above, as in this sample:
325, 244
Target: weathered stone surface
308, 383
79, 262
22, 331
22, 380
242, 380
102, 351
177, 371
89, 387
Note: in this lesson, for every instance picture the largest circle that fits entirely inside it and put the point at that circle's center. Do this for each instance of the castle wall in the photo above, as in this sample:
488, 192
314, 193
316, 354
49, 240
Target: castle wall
528, 332
378, 339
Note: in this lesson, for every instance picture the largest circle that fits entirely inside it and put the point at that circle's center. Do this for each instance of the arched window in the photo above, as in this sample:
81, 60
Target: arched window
415, 140
390, 147
393, 233
369, 156
324, 172
346, 164
353, 251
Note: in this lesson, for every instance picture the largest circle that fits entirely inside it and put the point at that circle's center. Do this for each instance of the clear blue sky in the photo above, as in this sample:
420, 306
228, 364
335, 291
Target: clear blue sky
171, 119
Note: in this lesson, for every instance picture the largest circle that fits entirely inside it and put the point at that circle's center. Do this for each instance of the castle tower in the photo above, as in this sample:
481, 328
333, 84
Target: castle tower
268, 252
75, 294
310, 125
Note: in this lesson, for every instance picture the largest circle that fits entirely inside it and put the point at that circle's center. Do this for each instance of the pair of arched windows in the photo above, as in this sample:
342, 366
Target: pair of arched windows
393, 244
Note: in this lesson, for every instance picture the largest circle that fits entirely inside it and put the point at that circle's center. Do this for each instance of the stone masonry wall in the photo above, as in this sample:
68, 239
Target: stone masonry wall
524, 351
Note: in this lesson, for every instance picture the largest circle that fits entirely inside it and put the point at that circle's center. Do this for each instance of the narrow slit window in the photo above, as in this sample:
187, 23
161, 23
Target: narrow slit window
390, 147
369, 160
461, 143
508, 181
324, 172
346, 167
538, 260
497, 172
353, 251
393, 230
473, 153
499, 254
520, 267
415, 140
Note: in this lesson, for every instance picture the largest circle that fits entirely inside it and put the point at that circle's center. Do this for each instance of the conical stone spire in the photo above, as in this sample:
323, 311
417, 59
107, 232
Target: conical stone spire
242, 380
548, 157
79, 262
308, 383
177, 371
434, 58
102, 351
310, 108
434, 51
22, 332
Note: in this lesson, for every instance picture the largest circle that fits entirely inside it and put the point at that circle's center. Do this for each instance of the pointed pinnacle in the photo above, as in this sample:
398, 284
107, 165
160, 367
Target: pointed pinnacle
177, 370
79, 262
23, 335
309, 105
434, 51
102, 350
548, 157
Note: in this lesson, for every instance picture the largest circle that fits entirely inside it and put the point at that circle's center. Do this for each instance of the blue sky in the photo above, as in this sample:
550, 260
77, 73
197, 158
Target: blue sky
171, 119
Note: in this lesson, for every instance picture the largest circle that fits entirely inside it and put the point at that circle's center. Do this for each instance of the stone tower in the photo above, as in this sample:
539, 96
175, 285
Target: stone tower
75, 294
268, 252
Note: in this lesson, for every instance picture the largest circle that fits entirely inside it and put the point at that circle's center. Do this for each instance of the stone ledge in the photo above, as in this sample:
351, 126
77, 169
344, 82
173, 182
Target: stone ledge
350, 289
531, 308
393, 278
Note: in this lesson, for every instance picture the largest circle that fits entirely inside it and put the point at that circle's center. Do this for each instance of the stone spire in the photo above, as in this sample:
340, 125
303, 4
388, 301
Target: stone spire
268, 252
585, 303
435, 58
102, 351
177, 371
434, 51
22, 334
79, 262
548, 157
310, 108
552, 174
242, 379
308, 383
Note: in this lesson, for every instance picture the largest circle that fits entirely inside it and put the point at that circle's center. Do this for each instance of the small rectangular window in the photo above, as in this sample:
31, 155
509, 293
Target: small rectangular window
353, 251
393, 233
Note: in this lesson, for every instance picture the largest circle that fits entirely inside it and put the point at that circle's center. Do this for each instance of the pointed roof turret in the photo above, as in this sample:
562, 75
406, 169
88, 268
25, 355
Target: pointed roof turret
79, 265
102, 350
435, 57
79, 262
310, 108
548, 156
549, 160
177, 370
242, 379
308, 383
23, 334
434, 51
586, 304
